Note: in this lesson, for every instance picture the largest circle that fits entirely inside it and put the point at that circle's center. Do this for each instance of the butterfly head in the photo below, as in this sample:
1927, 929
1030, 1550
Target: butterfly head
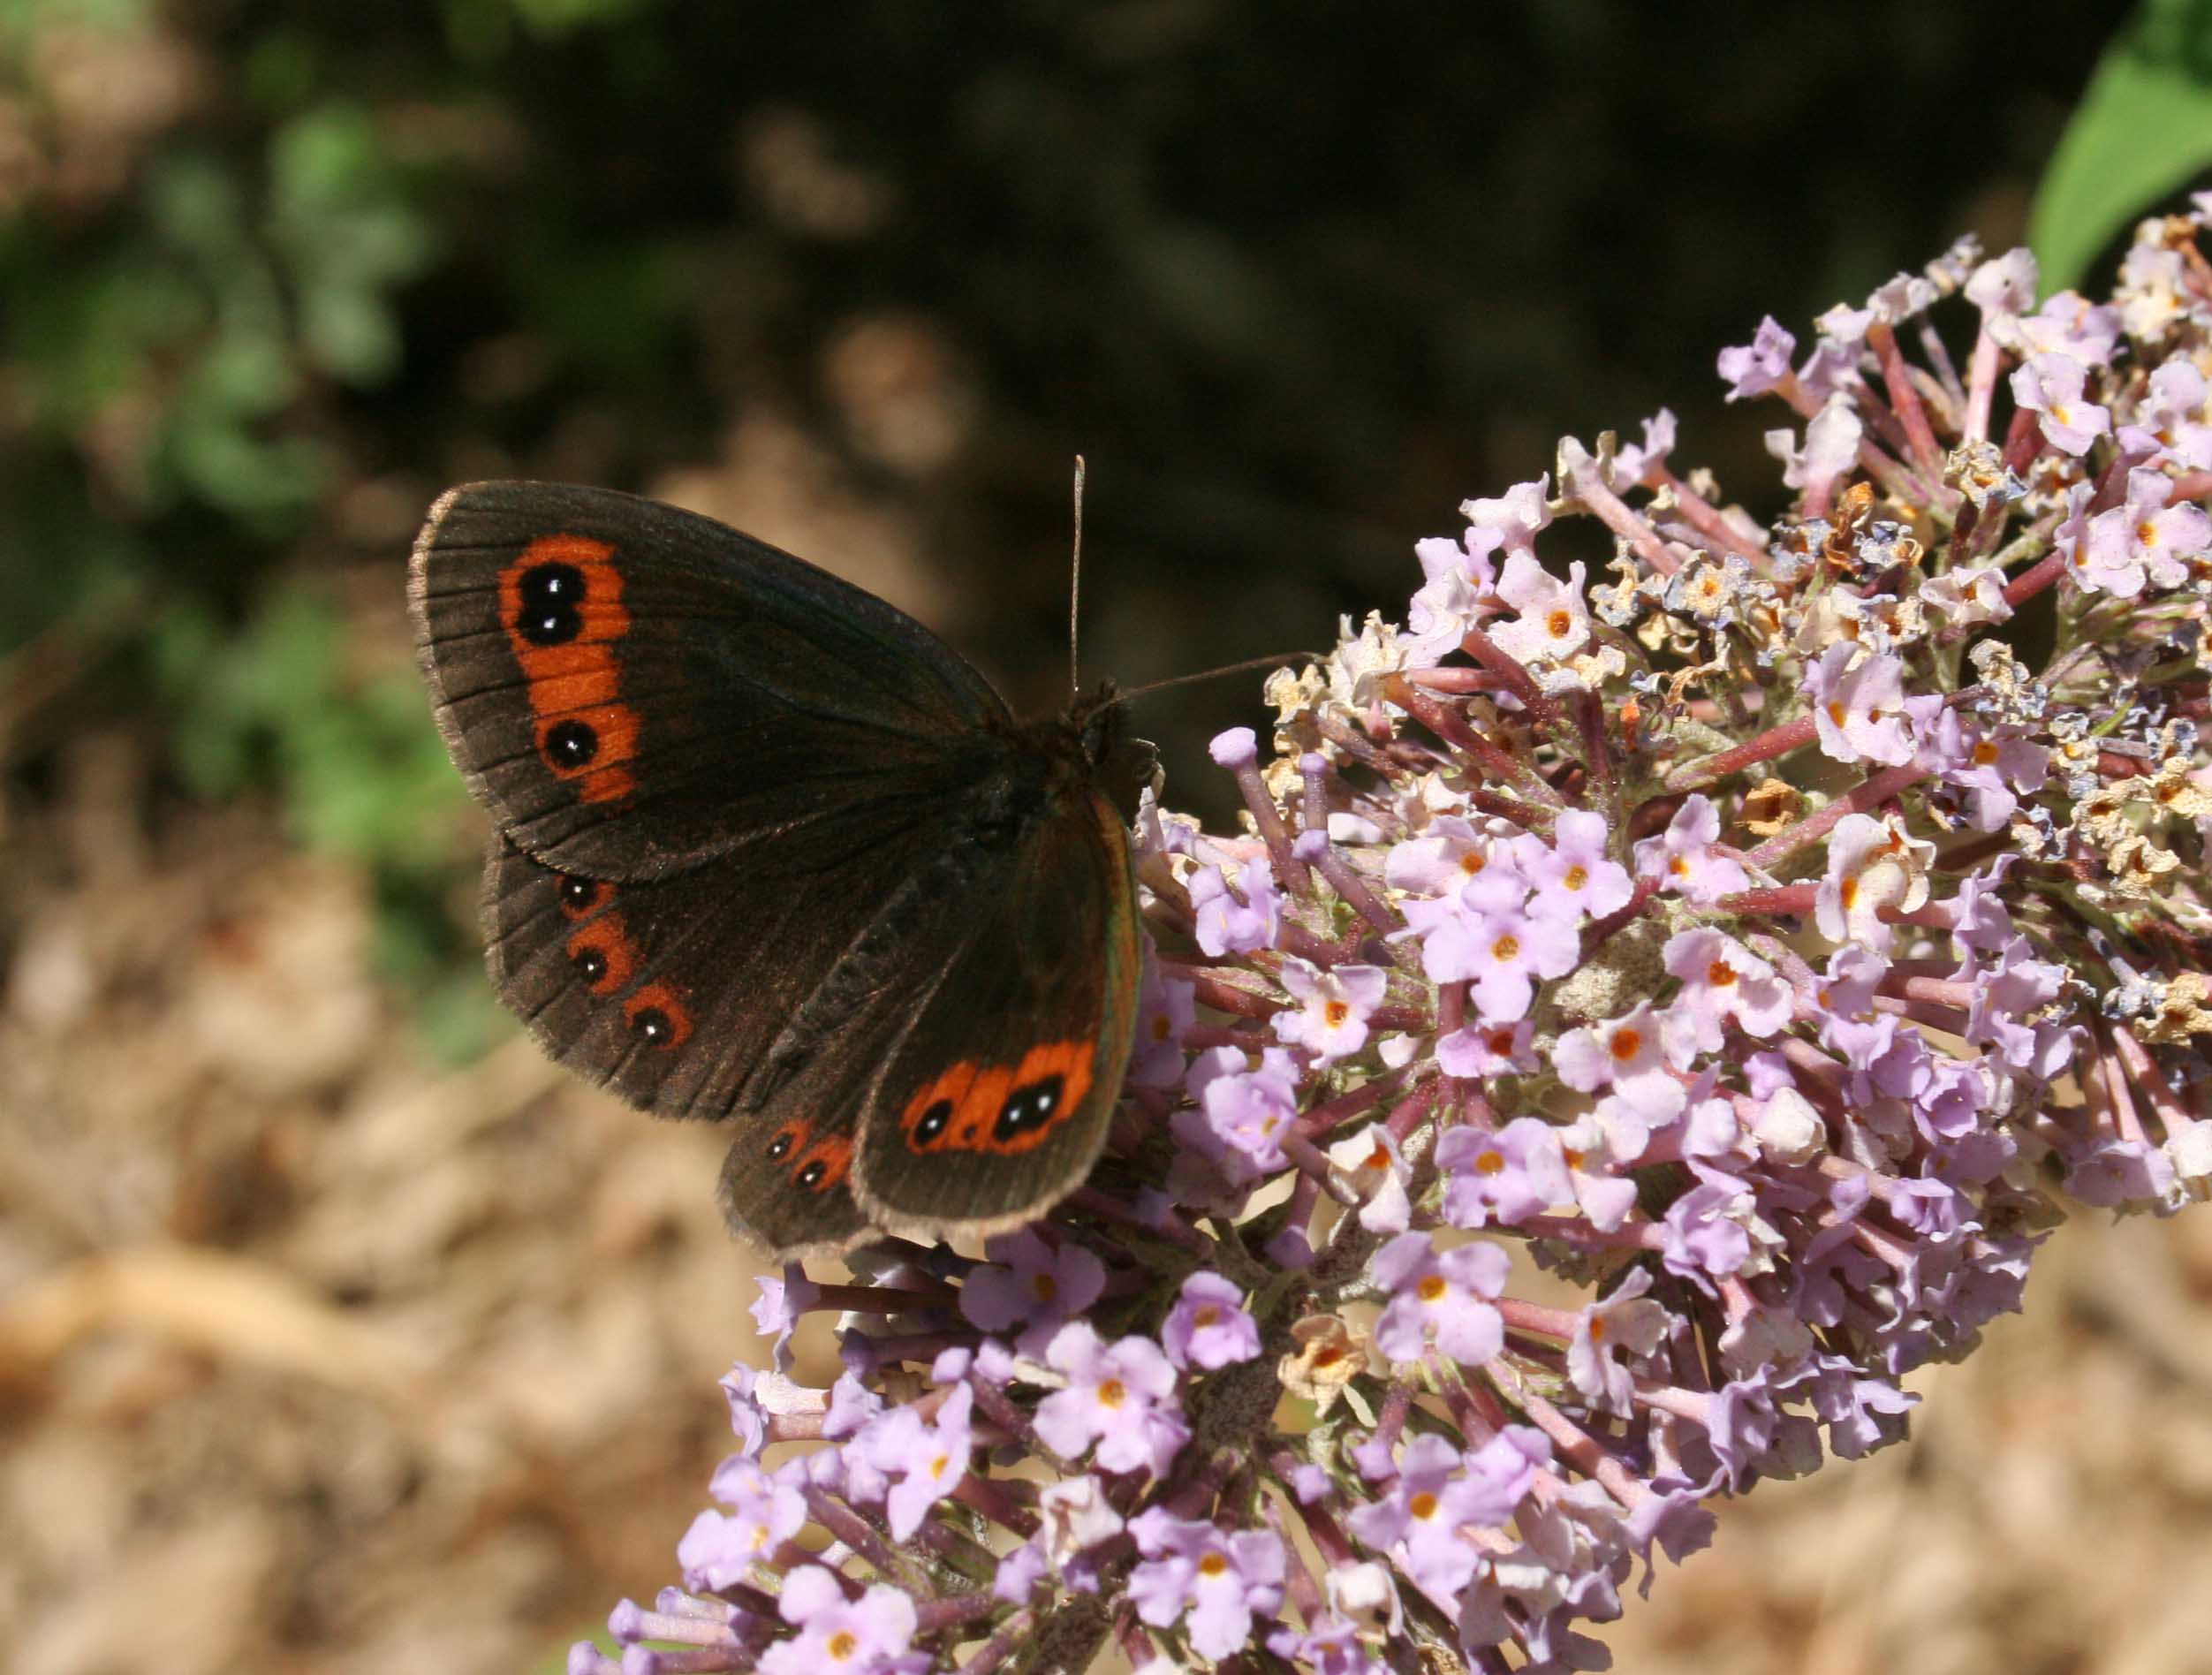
1121, 765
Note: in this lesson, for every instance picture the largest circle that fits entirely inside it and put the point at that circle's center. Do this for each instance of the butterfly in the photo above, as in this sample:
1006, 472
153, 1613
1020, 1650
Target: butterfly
766, 851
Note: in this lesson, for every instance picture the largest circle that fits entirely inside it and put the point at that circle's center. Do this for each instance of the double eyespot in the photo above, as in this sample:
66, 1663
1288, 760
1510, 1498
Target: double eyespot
816, 1167
999, 1108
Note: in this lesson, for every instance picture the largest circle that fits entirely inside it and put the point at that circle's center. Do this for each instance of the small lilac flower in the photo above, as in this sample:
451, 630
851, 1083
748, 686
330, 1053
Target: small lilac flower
1440, 1296
1328, 1645
1593, 1159
1331, 1021
1723, 982
2004, 285
1218, 1582
1831, 447
721, 1548
1871, 865
1759, 366
1119, 1396
2143, 542
1247, 1112
1167, 1009
1422, 1516
1235, 918
867, 1636
1030, 1284
1995, 767
2051, 385
1703, 1233
1479, 1051
776, 1312
1633, 465
1503, 951
1451, 854
2070, 325
2170, 424
925, 1460
1209, 1328
1634, 1055
1504, 1177
1572, 875
1552, 617
1683, 858
1517, 515
1859, 705
1626, 1325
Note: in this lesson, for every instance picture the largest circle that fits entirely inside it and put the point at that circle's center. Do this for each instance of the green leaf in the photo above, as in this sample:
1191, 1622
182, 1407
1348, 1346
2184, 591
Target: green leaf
2143, 131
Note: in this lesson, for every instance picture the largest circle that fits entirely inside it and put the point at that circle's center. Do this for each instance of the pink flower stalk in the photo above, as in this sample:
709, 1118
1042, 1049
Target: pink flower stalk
1755, 938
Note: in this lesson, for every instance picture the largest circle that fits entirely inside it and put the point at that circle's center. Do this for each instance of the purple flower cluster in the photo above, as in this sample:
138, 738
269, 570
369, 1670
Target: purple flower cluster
1751, 936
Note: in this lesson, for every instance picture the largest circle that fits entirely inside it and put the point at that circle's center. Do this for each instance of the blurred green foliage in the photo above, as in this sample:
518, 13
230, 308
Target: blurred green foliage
2142, 132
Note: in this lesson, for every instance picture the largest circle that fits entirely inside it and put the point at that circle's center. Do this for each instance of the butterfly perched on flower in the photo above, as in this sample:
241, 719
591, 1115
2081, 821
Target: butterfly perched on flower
767, 851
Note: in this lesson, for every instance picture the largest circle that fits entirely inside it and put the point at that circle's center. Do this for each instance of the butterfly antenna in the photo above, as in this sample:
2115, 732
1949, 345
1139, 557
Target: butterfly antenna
1273, 660
1075, 585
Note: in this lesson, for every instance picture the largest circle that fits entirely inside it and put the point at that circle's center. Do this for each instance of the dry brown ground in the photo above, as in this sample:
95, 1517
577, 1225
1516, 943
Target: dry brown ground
317, 1360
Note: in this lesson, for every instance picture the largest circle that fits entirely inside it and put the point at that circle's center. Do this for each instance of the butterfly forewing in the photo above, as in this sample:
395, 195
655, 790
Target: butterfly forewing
632, 689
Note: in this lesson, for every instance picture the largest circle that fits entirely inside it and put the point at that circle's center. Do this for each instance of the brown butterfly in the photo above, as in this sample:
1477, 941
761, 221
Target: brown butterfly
768, 851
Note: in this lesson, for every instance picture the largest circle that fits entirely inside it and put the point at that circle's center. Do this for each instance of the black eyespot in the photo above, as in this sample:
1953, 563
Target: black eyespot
1028, 1108
652, 1024
550, 595
590, 963
932, 1122
780, 1147
811, 1176
571, 744
579, 894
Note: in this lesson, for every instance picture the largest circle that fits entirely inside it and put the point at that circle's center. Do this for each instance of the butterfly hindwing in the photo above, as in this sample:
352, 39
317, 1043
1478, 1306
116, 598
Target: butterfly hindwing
995, 1103
631, 689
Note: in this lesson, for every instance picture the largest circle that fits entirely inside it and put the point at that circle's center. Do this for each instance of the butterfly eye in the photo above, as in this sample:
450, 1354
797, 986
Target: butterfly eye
591, 965
780, 1147
652, 1023
811, 1177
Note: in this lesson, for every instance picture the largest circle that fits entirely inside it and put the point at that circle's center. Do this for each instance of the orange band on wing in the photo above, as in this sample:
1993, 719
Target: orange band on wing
1000, 1109
561, 604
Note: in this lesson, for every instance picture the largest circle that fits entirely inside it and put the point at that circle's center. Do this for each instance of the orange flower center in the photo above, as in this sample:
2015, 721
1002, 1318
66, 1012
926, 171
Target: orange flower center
1334, 1012
1720, 974
1423, 1505
1113, 1393
1560, 623
1506, 947
1577, 876
1626, 1044
1212, 1565
1431, 1288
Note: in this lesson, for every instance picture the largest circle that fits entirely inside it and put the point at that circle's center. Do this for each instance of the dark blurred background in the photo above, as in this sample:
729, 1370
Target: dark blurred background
862, 278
